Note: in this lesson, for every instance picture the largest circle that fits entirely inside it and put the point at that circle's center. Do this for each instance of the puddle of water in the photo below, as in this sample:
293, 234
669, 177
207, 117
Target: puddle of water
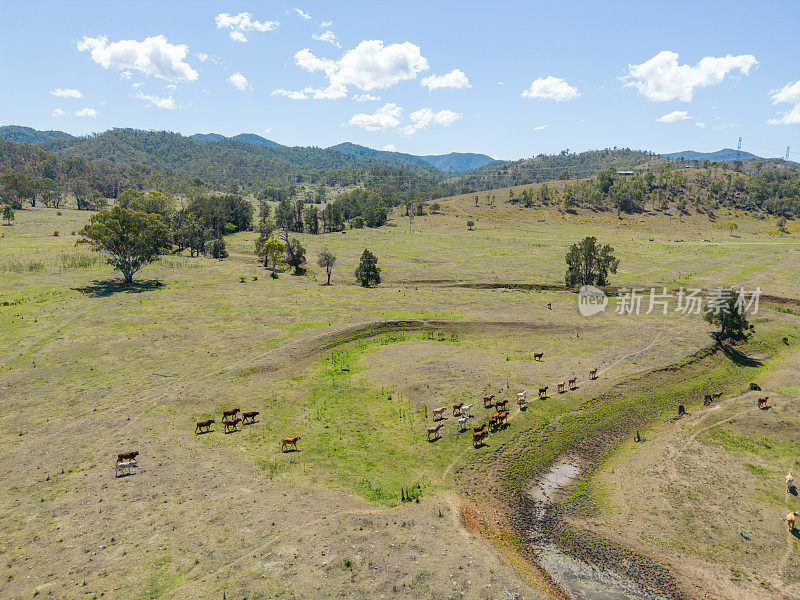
581, 580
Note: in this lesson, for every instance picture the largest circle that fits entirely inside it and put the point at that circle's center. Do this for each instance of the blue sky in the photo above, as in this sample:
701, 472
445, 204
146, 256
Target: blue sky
422, 77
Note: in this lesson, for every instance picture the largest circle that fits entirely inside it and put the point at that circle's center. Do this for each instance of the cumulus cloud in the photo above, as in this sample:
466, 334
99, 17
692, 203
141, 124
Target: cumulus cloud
540, 127
240, 82
386, 117
302, 14
368, 66
326, 24
674, 117
167, 103
700, 124
454, 79
66, 93
86, 112
422, 118
365, 98
788, 94
239, 26
390, 148
57, 113
551, 88
291, 94
661, 78
326, 36
153, 56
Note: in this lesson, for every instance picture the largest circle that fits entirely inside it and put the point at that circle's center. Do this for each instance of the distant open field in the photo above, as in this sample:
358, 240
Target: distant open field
90, 368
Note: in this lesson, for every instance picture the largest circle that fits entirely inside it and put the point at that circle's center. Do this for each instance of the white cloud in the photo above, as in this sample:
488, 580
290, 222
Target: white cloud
166, 103
499, 83
137, 85
386, 117
302, 14
551, 88
700, 124
291, 94
326, 24
153, 56
365, 98
326, 36
454, 79
57, 113
240, 82
674, 117
86, 112
661, 78
125, 75
267, 129
420, 119
66, 93
241, 25
722, 126
790, 93
389, 148
540, 127
368, 66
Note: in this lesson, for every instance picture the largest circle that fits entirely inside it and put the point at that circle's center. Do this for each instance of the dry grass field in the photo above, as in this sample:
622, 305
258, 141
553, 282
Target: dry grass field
90, 368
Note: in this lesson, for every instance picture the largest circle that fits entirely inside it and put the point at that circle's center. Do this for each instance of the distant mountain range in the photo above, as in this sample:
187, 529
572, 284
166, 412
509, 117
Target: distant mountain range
724, 155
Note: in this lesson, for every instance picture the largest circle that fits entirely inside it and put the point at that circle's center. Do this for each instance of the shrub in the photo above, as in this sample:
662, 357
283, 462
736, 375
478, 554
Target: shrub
216, 248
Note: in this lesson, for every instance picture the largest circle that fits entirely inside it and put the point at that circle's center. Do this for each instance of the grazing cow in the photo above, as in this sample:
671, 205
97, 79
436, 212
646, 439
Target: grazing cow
123, 456
790, 518
467, 410
522, 395
543, 392
561, 387
707, 400
231, 424
292, 441
204, 424
457, 409
502, 417
434, 431
439, 412
789, 482
462, 423
500, 404
493, 421
593, 373
479, 428
478, 436
522, 401
487, 400
762, 402
538, 356
227, 414
249, 416
573, 383
716, 395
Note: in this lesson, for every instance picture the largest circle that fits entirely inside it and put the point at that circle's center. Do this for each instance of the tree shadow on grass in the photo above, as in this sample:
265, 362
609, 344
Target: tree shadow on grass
109, 287
739, 357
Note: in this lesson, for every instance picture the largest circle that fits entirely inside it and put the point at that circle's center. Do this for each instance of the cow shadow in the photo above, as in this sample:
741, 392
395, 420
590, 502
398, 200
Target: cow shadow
109, 287
226, 432
792, 490
204, 431
795, 533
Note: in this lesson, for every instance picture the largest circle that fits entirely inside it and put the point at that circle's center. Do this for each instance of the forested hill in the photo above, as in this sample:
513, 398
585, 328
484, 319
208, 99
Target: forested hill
555, 166
28, 135
724, 155
217, 162
251, 138
459, 162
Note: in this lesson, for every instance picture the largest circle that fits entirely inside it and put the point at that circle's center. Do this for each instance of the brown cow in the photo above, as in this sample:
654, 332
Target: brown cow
478, 437
487, 400
573, 383
762, 402
543, 392
123, 456
561, 387
226, 414
434, 431
790, 519
439, 412
249, 416
593, 373
716, 395
479, 428
538, 356
292, 441
231, 424
457, 409
204, 424
500, 404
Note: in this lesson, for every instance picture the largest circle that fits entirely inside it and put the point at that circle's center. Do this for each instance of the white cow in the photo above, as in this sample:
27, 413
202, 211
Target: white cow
462, 422
522, 396
467, 410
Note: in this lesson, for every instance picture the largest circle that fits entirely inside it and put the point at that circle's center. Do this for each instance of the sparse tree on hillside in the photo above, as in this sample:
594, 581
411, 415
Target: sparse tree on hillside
435, 208
272, 250
8, 213
732, 226
133, 239
368, 273
326, 259
295, 254
589, 263
564, 175
470, 224
725, 309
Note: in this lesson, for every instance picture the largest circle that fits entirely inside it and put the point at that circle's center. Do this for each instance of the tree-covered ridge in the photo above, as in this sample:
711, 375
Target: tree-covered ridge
28, 135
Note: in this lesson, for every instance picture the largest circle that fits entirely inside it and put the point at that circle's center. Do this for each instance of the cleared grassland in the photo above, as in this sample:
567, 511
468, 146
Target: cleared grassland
89, 368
